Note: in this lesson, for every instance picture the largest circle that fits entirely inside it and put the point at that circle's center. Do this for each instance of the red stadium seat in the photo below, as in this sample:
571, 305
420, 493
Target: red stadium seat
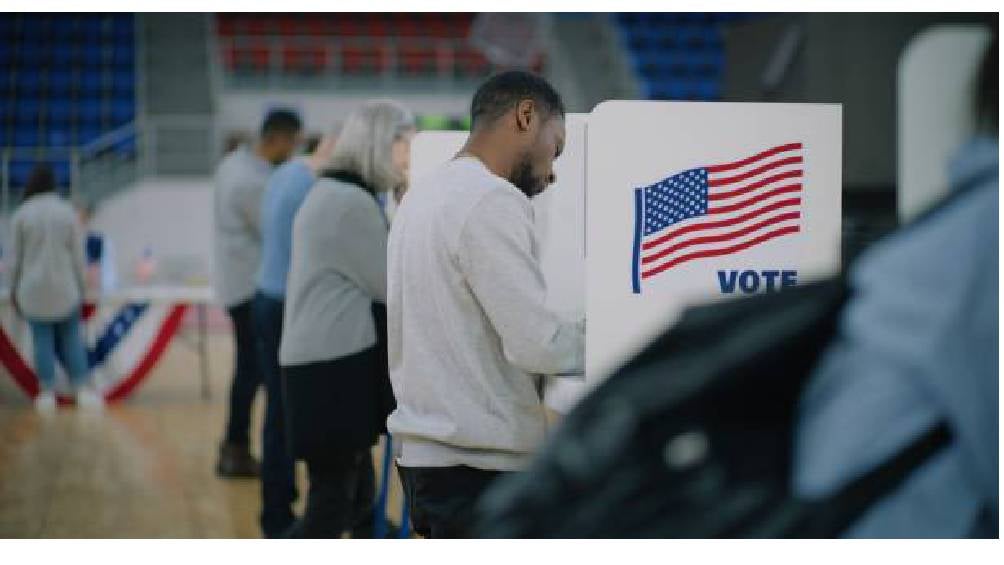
304, 59
251, 57
417, 59
362, 60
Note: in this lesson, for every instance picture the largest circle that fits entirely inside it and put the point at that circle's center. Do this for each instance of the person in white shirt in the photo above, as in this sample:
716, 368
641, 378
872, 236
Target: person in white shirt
48, 286
469, 335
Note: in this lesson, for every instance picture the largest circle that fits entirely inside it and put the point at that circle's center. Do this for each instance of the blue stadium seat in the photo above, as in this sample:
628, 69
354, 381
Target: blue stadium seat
123, 55
122, 26
122, 111
123, 82
90, 83
29, 82
91, 27
93, 55
63, 27
89, 111
26, 136
60, 83
19, 172
59, 136
33, 54
27, 111
63, 55
6, 26
6, 53
59, 111
34, 26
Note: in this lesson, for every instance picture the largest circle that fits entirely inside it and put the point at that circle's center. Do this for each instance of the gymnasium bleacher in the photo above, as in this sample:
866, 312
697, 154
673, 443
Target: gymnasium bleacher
65, 80
350, 46
676, 56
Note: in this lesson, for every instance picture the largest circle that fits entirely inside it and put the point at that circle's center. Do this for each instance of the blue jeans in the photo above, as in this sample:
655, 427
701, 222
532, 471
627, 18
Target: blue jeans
44, 336
278, 486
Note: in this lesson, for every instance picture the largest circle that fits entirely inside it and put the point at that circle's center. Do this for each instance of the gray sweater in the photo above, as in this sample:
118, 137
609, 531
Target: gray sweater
47, 275
338, 269
468, 329
240, 184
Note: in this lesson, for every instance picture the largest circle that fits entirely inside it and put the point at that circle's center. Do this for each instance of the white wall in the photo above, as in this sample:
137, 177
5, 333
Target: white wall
171, 216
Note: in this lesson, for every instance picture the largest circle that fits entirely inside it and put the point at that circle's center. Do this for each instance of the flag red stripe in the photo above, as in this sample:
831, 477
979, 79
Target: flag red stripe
721, 223
755, 199
719, 252
721, 237
759, 184
753, 159
752, 173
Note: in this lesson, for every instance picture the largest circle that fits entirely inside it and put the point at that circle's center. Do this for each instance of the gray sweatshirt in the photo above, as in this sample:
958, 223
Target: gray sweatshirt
468, 328
240, 184
47, 249
337, 270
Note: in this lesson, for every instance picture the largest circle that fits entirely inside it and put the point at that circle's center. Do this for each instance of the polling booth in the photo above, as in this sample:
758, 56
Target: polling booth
690, 202
661, 205
935, 90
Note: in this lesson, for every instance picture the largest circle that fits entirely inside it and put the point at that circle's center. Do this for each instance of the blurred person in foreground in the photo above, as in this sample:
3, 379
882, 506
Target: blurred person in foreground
333, 357
240, 183
285, 191
48, 287
469, 333
917, 344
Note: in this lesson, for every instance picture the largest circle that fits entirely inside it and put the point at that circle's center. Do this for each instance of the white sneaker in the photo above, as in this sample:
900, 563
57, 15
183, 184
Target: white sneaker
90, 399
45, 403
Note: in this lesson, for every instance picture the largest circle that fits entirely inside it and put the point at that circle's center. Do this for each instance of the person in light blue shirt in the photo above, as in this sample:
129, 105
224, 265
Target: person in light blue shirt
285, 191
918, 345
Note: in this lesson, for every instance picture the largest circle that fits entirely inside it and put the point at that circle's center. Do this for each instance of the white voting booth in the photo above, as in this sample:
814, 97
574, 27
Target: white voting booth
624, 235
688, 202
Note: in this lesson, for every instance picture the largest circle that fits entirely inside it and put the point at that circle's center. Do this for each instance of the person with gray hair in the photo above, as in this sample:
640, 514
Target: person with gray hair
333, 349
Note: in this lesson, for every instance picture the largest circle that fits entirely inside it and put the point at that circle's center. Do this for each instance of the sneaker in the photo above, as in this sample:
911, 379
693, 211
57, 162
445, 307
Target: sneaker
45, 403
90, 399
236, 462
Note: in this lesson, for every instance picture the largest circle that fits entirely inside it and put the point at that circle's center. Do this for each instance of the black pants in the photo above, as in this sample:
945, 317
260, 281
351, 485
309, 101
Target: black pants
278, 485
247, 375
340, 498
442, 499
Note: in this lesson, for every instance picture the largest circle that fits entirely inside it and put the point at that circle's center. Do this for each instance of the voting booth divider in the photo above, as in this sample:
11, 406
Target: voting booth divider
658, 206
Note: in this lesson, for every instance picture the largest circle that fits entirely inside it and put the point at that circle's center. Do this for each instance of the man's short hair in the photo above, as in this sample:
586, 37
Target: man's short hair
281, 121
502, 92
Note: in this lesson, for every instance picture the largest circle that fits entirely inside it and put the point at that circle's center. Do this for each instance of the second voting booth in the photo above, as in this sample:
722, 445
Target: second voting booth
662, 205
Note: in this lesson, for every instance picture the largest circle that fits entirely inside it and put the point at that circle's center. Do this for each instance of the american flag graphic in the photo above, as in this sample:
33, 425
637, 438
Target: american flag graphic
716, 210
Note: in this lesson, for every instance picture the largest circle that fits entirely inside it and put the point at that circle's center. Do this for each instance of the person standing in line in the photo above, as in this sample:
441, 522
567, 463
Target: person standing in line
333, 351
284, 193
469, 334
240, 182
48, 287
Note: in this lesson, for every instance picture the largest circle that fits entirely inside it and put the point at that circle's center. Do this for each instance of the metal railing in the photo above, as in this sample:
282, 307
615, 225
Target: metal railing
96, 168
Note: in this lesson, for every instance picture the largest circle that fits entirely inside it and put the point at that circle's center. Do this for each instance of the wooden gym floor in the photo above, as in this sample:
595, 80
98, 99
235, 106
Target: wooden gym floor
143, 468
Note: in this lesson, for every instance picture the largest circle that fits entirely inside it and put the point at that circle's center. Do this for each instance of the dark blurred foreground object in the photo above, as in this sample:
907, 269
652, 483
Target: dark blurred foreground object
694, 438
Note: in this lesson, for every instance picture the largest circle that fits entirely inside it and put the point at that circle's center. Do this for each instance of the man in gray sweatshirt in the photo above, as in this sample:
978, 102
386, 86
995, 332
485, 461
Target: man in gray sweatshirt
240, 183
469, 335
